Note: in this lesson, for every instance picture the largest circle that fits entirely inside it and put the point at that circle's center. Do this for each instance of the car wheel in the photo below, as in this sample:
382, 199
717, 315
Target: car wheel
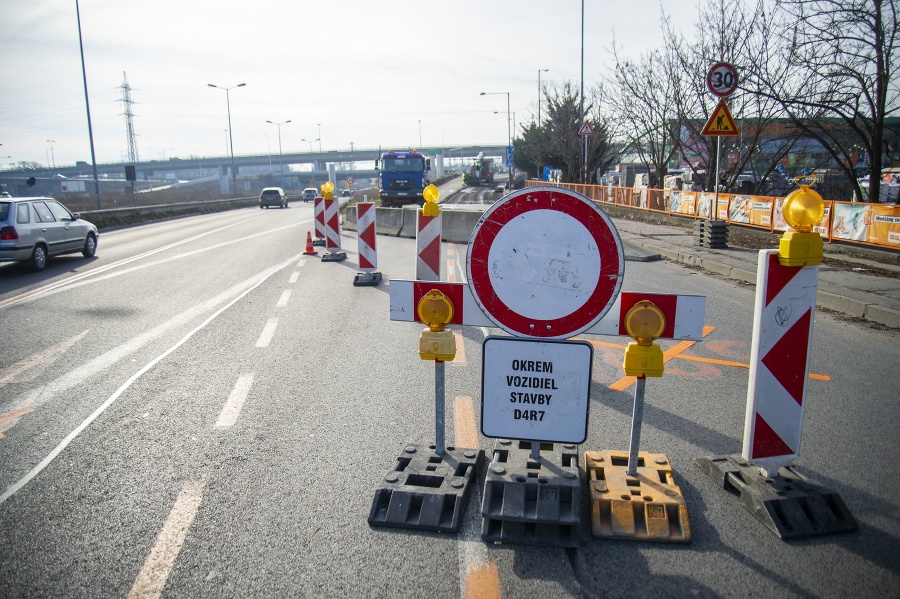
261, 206
90, 246
38, 258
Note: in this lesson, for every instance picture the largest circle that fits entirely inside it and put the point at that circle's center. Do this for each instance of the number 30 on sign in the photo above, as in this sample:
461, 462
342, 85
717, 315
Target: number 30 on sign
722, 79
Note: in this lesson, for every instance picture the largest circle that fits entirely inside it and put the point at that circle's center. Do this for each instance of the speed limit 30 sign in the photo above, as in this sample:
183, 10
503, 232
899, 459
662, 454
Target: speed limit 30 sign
545, 262
722, 79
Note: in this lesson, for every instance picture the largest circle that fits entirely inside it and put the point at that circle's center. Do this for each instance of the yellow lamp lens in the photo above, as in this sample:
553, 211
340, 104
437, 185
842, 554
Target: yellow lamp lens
431, 193
645, 321
803, 208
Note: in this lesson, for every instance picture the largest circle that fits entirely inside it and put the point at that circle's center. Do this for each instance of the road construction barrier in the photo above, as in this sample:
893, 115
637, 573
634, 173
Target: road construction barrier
787, 503
430, 492
368, 256
332, 231
533, 490
310, 250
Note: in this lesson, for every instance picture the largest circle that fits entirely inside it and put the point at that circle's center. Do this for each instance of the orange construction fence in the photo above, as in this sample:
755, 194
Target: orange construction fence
853, 222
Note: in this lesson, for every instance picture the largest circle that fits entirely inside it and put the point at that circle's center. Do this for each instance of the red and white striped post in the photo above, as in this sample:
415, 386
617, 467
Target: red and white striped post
368, 256
428, 247
332, 231
319, 218
779, 362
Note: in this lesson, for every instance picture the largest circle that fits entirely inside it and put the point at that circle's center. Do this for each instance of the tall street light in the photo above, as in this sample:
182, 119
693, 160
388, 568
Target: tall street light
280, 167
310, 141
539, 94
508, 113
513, 118
420, 134
230, 138
319, 125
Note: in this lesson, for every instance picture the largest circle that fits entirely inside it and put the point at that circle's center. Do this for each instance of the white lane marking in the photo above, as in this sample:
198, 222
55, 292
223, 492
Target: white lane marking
267, 333
294, 276
42, 359
232, 409
261, 278
283, 300
155, 572
90, 276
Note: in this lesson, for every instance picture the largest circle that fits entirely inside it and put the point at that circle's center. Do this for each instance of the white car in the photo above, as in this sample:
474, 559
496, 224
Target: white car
34, 229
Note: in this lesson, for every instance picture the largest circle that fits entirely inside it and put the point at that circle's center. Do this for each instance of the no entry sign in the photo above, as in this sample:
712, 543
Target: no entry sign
545, 262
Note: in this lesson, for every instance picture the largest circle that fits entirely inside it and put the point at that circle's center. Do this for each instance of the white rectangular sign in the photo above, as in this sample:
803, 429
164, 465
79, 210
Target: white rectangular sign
535, 390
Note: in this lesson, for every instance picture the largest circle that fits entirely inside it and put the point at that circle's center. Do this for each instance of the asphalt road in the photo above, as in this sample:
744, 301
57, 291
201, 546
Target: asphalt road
203, 411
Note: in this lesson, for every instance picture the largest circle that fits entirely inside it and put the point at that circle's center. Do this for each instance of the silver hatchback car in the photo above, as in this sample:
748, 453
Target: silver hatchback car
33, 229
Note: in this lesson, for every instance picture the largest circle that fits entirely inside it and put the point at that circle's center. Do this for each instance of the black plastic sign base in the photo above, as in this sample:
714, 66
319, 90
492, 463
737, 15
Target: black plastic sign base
367, 279
790, 505
535, 502
334, 257
426, 490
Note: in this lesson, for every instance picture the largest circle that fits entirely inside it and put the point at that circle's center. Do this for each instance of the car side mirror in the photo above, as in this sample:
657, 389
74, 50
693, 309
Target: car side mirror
76, 216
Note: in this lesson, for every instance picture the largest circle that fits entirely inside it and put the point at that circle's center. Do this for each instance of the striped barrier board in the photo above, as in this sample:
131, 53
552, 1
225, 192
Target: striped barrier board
779, 361
368, 256
428, 247
684, 313
332, 233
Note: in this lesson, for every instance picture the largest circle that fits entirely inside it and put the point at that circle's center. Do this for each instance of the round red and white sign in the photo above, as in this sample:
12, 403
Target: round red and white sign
545, 262
722, 79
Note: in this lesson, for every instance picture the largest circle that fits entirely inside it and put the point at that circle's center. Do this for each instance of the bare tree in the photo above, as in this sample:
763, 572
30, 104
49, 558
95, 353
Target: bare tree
641, 96
837, 83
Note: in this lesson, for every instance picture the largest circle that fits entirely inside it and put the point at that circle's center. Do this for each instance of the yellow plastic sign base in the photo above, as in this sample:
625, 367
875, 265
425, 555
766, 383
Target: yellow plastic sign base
800, 249
643, 360
645, 507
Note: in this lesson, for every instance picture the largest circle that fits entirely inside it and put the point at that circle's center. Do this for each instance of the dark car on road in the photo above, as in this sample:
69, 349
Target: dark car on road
34, 229
273, 196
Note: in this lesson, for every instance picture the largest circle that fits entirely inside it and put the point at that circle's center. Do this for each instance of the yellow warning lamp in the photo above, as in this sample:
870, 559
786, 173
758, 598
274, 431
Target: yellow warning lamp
644, 322
803, 209
436, 342
328, 190
431, 195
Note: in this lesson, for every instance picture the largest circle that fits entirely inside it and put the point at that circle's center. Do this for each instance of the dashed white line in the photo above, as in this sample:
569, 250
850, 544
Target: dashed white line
232, 409
267, 333
294, 277
283, 300
155, 571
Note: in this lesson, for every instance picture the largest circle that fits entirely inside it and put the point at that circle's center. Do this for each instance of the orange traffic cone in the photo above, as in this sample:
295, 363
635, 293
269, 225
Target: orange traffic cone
310, 251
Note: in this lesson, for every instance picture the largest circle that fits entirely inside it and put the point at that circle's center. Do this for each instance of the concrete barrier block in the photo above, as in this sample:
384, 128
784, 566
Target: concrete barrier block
882, 315
841, 303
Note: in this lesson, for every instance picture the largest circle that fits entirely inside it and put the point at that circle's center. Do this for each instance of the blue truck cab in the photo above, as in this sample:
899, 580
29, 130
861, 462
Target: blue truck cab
402, 177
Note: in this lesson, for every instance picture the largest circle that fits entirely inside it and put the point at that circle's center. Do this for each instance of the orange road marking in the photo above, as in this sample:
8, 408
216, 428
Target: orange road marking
14, 414
482, 582
464, 422
714, 361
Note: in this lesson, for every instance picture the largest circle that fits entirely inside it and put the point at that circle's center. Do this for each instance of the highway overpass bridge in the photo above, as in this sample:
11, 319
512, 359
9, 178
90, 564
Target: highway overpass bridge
298, 167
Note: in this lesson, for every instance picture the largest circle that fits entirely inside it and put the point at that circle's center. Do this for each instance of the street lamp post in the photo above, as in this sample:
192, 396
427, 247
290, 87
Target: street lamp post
230, 138
319, 125
420, 134
280, 166
539, 94
508, 130
310, 141
513, 118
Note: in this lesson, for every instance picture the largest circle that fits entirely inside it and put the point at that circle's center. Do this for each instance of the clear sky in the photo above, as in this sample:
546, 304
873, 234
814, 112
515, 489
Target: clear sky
371, 72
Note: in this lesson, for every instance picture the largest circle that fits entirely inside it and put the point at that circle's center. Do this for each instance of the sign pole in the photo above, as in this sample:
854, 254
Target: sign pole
715, 214
439, 407
636, 418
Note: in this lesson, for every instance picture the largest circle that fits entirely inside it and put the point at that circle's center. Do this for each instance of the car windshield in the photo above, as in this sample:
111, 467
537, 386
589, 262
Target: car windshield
404, 165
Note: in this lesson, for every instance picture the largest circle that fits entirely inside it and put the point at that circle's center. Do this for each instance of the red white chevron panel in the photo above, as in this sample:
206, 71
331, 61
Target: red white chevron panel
365, 226
428, 247
332, 231
319, 216
684, 313
779, 361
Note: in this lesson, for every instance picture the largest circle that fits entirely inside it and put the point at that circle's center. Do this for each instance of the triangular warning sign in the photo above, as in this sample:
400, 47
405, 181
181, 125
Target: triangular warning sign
721, 122
586, 129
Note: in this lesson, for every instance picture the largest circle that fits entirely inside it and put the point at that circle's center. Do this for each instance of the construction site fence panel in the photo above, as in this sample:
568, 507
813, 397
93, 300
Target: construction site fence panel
875, 225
